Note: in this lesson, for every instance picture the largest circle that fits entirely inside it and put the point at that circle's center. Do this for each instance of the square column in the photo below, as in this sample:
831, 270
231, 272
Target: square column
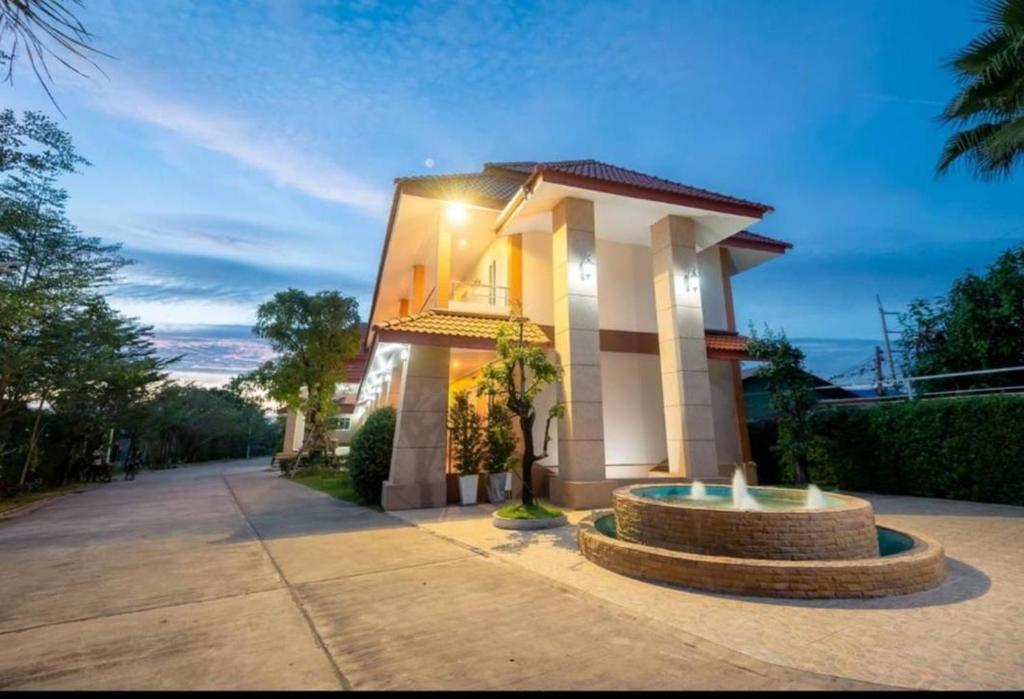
581, 461
417, 477
685, 383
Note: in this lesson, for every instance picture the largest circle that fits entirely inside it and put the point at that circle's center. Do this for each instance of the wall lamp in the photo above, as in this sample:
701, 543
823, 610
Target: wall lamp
587, 267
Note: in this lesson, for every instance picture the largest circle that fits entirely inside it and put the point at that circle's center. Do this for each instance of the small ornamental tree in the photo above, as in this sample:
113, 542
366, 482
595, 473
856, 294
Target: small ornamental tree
514, 380
792, 397
369, 458
466, 428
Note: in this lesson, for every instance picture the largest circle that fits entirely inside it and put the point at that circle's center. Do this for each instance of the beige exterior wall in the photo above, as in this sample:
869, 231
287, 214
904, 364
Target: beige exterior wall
723, 406
634, 419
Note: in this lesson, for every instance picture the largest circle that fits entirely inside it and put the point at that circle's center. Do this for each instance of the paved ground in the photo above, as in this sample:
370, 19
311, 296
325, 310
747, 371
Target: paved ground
966, 634
227, 577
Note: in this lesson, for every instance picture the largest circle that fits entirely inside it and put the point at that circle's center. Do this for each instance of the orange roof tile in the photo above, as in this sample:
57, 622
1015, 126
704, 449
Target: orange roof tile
725, 342
456, 324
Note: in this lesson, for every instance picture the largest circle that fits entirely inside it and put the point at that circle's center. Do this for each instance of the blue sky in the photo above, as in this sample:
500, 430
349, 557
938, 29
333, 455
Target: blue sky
242, 147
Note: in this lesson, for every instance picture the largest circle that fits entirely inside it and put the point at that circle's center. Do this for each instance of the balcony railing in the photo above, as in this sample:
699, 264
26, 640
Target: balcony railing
479, 295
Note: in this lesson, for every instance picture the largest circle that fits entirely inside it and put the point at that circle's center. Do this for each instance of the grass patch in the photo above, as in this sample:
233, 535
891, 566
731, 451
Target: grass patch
337, 484
535, 511
17, 502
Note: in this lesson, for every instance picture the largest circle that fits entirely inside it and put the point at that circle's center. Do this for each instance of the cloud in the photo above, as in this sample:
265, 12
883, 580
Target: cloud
289, 164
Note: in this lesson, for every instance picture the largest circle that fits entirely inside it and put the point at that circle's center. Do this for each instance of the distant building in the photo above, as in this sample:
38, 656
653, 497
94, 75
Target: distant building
758, 401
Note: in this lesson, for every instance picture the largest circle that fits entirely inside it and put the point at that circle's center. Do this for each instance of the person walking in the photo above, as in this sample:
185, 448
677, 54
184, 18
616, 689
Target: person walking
131, 467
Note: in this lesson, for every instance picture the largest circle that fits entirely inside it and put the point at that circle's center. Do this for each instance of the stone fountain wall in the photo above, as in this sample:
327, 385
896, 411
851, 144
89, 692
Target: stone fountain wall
841, 532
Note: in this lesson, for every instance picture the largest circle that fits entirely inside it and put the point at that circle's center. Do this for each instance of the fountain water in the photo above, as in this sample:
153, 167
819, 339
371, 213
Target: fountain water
815, 498
698, 491
741, 497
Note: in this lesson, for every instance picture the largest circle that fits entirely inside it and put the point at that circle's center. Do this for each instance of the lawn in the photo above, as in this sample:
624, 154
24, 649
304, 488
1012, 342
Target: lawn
337, 484
19, 501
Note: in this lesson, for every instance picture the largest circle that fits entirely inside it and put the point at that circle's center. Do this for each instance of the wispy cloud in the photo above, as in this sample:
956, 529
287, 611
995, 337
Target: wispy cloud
288, 164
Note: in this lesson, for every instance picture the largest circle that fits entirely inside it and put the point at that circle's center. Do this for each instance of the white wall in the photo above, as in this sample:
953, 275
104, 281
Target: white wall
712, 291
625, 287
634, 419
538, 283
542, 404
723, 408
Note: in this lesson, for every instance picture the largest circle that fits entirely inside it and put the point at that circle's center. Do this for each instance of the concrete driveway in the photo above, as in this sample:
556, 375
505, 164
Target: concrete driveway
225, 576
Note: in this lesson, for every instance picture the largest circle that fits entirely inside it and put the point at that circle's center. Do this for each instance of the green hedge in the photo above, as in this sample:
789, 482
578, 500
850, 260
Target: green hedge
963, 449
369, 457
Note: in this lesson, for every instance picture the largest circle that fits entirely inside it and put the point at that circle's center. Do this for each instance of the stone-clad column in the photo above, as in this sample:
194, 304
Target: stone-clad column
417, 477
581, 467
686, 386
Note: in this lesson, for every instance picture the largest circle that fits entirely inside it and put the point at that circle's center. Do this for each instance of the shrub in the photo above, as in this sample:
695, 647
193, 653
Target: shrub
964, 448
369, 458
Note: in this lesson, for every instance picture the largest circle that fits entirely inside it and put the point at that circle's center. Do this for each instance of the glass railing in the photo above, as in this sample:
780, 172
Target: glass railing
479, 294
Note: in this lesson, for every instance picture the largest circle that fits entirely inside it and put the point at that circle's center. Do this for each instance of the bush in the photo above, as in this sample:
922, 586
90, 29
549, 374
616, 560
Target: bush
963, 449
501, 440
369, 457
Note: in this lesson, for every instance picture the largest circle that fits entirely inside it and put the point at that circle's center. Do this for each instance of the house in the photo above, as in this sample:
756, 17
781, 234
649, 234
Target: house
624, 277
758, 401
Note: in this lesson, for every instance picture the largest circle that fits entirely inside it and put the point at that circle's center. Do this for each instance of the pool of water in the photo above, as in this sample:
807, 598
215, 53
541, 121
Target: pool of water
890, 542
720, 496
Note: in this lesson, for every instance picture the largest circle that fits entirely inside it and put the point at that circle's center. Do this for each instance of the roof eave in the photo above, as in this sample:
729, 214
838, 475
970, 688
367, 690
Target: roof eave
637, 192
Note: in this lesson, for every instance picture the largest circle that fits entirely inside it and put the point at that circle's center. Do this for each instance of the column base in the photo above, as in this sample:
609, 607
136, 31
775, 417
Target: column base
413, 496
581, 495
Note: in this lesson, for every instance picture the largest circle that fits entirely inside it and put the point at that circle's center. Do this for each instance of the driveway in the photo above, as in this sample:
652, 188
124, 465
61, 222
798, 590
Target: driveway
224, 576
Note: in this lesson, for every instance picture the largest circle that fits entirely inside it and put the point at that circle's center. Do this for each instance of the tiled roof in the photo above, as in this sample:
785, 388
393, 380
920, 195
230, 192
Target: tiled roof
455, 324
495, 187
355, 367
614, 174
719, 341
749, 238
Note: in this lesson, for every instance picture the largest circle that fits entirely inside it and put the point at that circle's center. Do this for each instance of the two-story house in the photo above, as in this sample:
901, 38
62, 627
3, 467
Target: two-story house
624, 276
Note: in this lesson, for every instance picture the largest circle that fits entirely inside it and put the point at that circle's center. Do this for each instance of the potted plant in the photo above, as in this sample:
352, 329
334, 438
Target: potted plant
500, 456
466, 429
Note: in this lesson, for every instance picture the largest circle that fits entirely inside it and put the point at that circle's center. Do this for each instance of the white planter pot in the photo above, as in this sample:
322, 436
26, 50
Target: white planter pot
467, 489
508, 481
496, 488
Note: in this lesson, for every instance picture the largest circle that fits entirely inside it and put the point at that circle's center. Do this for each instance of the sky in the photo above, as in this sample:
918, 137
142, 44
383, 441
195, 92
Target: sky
239, 148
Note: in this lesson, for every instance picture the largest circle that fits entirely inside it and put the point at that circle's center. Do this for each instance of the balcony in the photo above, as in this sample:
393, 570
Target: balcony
479, 298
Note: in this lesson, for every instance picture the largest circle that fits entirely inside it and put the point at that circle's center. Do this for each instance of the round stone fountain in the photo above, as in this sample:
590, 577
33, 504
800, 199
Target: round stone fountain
777, 542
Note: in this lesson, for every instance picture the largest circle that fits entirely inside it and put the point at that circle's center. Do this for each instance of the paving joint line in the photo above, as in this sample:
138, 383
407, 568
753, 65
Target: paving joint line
345, 684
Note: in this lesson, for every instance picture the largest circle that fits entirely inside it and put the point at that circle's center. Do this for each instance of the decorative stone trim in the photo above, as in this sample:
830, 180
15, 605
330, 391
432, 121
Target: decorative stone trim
920, 568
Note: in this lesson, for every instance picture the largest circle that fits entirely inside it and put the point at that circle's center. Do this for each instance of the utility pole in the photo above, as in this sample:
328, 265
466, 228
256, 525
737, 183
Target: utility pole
882, 313
879, 378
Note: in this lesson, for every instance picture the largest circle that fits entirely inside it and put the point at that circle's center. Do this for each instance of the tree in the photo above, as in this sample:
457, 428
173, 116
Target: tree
979, 324
63, 350
520, 373
41, 30
989, 108
315, 336
501, 440
792, 396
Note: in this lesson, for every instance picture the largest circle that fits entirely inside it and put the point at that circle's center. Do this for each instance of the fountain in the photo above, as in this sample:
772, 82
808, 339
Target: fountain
815, 498
741, 498
779, 542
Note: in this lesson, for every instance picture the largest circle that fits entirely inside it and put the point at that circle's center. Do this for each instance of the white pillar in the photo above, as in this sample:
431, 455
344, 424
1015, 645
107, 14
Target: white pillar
581, 458
417, 478
686, 386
